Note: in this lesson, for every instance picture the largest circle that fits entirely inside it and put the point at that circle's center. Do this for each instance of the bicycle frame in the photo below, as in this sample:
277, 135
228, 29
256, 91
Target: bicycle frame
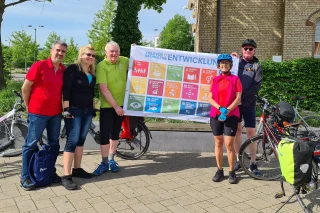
12, 114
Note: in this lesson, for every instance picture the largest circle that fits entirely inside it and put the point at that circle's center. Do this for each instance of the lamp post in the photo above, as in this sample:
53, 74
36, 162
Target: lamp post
35, 40
9, 41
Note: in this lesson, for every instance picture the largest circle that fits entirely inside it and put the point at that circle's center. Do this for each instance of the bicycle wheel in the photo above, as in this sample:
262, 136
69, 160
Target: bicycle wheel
266, 159
5, 141
20, 131
138, 146
313, 126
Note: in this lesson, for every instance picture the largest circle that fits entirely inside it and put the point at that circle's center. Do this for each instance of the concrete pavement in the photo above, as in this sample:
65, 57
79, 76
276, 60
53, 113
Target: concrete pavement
159, 182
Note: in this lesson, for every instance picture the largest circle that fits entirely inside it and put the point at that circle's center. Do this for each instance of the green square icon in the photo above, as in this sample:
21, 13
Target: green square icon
135, 102
170, 106
175, 73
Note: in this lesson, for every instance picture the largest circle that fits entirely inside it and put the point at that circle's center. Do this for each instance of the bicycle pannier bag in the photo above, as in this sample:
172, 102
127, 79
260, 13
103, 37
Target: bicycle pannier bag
41, 167
295, 158
286, 111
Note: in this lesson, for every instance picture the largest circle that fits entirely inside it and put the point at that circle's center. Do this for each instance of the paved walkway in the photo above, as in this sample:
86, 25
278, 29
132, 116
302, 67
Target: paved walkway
160, 182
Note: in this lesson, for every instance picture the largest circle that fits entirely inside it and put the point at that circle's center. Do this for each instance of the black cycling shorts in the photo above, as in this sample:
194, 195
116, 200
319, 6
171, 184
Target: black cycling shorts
248, 113
227, 127
110, 125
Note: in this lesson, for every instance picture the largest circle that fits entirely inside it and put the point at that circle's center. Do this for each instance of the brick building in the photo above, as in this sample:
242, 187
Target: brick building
284, 28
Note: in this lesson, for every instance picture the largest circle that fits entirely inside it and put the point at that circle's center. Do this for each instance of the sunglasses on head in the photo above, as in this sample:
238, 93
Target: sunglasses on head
89, 54
248, 48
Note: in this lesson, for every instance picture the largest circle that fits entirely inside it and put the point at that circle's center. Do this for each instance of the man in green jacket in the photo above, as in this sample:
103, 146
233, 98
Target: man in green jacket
111, 77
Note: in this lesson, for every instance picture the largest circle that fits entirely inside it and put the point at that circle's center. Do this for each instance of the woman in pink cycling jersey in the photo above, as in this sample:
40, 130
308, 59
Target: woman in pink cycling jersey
225, 95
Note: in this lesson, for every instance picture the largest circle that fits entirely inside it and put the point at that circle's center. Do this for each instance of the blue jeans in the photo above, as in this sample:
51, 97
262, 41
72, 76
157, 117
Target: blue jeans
36, 126
77, 128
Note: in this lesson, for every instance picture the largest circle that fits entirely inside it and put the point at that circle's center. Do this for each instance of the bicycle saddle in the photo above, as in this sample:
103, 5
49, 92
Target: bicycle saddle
299, 98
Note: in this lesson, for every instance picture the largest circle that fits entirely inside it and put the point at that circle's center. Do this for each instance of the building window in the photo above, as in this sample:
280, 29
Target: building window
317, 41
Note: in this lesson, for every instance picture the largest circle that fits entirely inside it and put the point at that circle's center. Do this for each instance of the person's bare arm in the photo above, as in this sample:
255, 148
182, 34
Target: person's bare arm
108, 96
66, 104
236, 102
26, 89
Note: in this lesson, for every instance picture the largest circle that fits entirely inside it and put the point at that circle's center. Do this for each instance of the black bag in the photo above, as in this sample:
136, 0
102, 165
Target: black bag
286, 111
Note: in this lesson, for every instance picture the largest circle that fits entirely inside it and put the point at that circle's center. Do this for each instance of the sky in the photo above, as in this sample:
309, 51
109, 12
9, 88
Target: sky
73, 18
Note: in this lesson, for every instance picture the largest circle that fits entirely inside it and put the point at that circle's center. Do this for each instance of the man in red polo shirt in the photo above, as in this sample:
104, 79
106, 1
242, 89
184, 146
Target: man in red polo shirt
42, 94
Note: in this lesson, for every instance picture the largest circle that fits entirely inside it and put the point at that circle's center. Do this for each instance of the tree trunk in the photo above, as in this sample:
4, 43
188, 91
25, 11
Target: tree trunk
2, 80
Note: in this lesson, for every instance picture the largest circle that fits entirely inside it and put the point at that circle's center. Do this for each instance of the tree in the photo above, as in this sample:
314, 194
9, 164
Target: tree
3, 6
126, 23
45, 52
147, 43
176, 34
72, 52
101, 27
22, 49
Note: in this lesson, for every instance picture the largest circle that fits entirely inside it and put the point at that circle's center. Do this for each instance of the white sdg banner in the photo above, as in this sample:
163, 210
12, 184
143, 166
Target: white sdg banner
170, 84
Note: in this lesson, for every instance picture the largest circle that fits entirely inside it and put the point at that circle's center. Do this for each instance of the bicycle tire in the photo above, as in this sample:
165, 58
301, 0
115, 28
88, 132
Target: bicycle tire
20, 130
267, 162
134, 149
5, 141
313, 126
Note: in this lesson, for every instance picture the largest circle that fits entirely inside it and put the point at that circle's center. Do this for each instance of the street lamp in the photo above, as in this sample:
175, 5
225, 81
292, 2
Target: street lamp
35, 40
9, 41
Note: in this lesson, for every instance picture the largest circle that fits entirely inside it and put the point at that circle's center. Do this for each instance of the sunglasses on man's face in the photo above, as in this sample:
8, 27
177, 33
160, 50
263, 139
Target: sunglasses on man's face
89, 54
248, 48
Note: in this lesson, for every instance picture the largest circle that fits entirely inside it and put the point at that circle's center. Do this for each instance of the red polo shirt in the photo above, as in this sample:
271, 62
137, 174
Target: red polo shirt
46, 92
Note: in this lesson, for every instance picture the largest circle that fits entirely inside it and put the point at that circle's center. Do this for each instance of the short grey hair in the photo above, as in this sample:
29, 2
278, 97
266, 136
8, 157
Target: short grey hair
111, 43
62, 43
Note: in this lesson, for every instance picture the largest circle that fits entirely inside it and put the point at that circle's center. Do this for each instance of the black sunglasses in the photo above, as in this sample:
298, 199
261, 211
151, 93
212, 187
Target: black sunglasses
89, 54
248, 48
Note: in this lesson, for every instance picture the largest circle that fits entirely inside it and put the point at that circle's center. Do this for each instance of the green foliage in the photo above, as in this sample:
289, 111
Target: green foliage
101, 27
22, 49
7, 61
72, 52
126, 23
45, 52
176, 34
7, 97
299, 77
147, 43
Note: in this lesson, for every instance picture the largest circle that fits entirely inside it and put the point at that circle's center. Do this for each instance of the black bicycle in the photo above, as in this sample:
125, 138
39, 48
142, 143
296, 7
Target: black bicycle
132, 145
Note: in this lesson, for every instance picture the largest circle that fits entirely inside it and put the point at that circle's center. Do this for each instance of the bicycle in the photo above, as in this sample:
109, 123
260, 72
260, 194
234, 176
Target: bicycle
133, 142
13, 130
309, 123
272, 130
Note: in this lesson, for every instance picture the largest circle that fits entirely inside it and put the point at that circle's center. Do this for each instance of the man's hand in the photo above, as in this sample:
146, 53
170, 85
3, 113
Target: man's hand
119, 111
235, 54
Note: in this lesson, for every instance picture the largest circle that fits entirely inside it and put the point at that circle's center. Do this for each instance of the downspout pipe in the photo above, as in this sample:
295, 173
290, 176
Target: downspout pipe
219, 20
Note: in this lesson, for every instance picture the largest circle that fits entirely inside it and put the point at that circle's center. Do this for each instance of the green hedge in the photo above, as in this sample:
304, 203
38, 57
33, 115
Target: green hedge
7, 98
292, 78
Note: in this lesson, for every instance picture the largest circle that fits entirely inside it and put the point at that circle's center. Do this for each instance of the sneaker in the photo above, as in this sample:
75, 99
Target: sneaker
254, 169
218, 176
56, 178
27, 185
232, 177
237, 166
81, 173
113, 166
68, 183
101, 169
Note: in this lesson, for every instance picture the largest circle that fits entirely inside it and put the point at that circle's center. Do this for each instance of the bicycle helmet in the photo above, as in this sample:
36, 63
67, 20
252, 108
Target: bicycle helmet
224, 57
249, 42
